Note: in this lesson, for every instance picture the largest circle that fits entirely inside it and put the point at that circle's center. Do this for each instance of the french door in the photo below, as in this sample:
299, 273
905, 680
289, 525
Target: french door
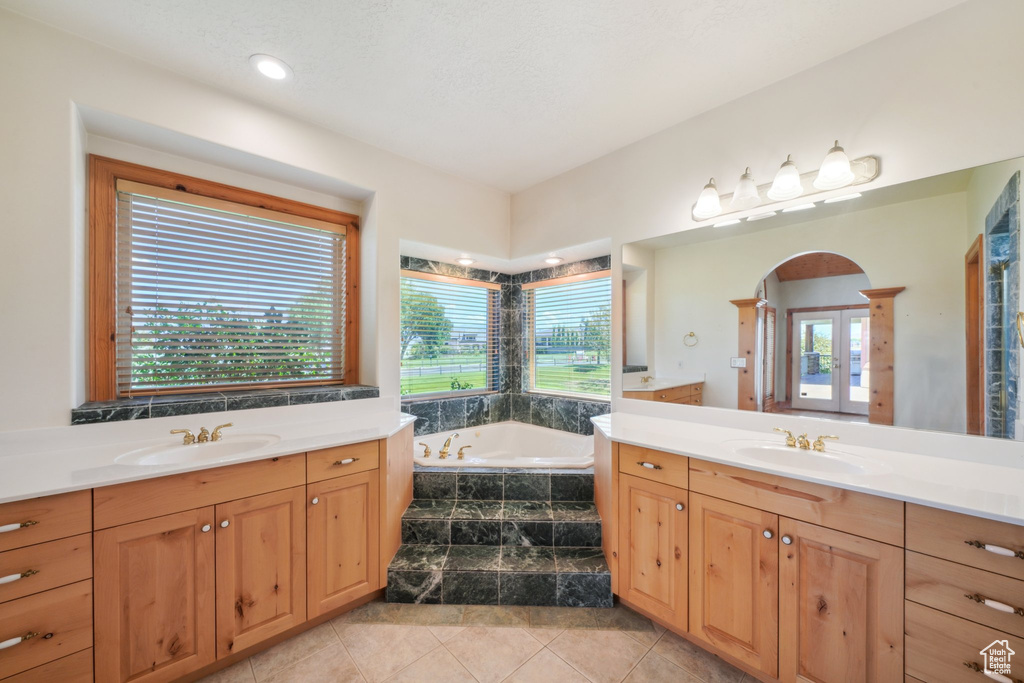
831, 366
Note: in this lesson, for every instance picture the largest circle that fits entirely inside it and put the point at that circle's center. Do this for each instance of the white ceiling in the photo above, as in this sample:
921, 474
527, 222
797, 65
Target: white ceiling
505, 92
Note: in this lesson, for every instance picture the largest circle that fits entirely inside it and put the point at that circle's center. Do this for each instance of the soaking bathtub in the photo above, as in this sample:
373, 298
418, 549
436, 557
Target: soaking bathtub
509, 444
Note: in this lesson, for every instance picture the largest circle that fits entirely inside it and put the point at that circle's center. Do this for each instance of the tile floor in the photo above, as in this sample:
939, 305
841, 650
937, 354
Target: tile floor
454, 643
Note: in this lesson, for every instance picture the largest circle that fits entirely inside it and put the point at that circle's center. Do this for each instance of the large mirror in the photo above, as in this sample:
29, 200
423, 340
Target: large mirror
895, 306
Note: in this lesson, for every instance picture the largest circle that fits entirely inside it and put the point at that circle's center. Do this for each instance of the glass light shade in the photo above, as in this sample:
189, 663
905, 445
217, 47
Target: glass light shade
835, 171
745, 196
708, 203
787, 182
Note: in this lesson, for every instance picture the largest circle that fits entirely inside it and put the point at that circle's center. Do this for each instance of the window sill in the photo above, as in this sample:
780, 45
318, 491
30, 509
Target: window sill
170, 405
442, 395
589, 398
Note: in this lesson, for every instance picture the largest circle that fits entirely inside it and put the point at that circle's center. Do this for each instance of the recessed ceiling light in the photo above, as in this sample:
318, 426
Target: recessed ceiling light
760, 216
465, 261
798, 207
271, 67
842, 198
731, 221
552, 260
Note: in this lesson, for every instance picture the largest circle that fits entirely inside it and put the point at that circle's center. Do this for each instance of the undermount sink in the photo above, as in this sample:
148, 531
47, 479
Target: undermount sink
176, 453
834, 462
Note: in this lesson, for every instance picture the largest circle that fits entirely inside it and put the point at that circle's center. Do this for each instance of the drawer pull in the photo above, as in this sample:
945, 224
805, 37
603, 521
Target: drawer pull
767, 533
11, 642
17, 525
346, 461
997, 549
11, 578
648, 465
974, 666
995, 604
787, 539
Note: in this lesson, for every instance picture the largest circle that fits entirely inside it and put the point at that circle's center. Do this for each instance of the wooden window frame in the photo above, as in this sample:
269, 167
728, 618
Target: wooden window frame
529, 329
102, 316
494, 326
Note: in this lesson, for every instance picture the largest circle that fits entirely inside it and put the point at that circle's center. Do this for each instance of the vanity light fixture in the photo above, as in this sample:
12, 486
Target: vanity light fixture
787, 183
835, 171
465, 261
271, 67
708, 203
842, 198
730, 221
553, 260
799, 207
761, 216
745, 195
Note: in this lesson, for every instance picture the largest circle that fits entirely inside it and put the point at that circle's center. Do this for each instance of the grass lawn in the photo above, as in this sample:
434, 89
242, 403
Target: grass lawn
432, 383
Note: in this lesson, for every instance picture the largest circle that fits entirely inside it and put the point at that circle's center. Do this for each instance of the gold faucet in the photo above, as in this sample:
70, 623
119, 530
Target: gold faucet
188, 439
819, 443
426, 450
790, 439
447, 446
204, 435
462, 453
803, 443
645, 379
217, 436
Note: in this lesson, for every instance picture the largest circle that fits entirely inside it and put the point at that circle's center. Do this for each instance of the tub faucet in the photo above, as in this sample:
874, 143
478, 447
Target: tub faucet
447, 446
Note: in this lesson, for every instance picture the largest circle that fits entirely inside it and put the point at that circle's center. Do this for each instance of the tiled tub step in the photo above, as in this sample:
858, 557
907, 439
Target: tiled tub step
502, 484
495, 575
509, 523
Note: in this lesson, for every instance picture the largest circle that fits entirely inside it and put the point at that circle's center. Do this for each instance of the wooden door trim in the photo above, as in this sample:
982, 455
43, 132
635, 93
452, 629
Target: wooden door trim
974, 305
882, 340
746, 386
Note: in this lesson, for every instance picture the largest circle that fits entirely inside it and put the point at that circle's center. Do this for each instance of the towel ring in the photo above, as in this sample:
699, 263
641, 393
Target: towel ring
691, 338
1020, 321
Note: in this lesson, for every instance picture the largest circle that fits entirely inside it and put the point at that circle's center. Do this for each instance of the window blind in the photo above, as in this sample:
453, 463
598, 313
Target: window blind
216, 294
449, 334
570, 330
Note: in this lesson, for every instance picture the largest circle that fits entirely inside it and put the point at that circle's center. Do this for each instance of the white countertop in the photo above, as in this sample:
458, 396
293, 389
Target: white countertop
659, 383
976, 486
43, 462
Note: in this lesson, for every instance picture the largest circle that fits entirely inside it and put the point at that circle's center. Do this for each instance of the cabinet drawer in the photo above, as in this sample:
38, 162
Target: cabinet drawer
138, 500
953, 588
76, 668
956, 537
672, 394
341, 460
61, 618
27, 522
697, 389
941, 647
45, 566
654, 465
857, 513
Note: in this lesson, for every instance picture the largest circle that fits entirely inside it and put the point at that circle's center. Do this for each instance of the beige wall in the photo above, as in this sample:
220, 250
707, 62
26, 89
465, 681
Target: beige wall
917, 245
42, 180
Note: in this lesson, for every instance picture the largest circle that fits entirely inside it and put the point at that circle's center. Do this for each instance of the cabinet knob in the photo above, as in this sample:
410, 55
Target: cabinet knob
315, 501
787, 540
224, 524
679, 506
767, 533
206, 528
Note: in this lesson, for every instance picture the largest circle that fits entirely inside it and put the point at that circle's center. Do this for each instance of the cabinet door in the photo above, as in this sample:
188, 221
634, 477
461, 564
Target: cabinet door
343, 538
261, 568
652, 548
734, 580
841, 601
154, 592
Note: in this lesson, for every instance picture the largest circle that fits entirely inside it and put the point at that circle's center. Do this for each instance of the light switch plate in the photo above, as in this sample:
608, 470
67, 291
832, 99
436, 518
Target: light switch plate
737, 362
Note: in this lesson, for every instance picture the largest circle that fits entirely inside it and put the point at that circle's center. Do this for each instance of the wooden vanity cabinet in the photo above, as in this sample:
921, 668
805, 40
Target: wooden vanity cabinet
734, 580
261, 568
652, 559
840, 606
155, 597
342, 540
